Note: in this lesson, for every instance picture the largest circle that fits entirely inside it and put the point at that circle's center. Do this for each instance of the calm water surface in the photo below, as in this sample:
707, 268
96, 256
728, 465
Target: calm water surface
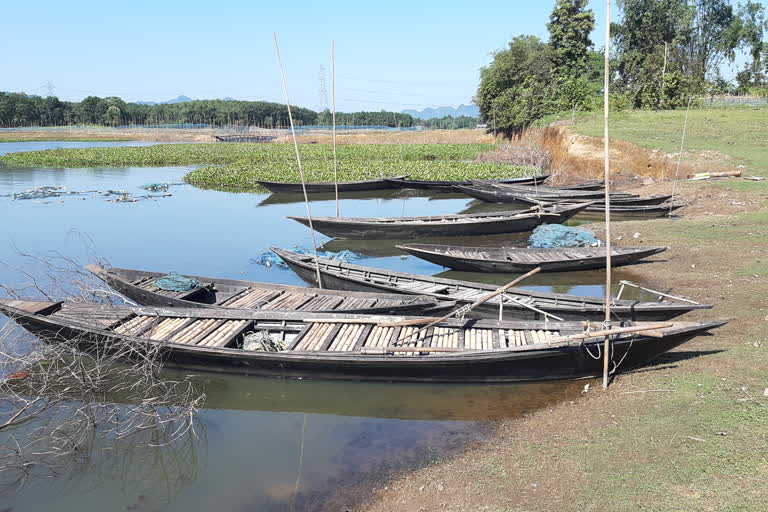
253, 429
16, 147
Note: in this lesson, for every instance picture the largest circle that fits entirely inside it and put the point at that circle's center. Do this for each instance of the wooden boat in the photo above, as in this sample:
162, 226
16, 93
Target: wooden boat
323, 186
388, 228
615, 201
516, 259
584, 185
139, 286
518, 303
494, 194
447, 186
597, 211
348, 347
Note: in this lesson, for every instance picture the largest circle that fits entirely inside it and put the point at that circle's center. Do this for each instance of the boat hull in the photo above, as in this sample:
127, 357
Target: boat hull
629, 310
343, 186
474, 263
540, 363
458, 226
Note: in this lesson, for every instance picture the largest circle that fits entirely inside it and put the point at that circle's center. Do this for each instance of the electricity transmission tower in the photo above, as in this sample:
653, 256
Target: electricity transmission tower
323, 90
49, 87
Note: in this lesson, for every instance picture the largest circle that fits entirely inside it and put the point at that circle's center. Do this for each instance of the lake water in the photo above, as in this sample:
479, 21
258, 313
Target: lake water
16, 147
253, 430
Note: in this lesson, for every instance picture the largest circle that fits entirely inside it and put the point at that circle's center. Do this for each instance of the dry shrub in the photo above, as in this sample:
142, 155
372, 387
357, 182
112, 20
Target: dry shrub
525, 153
575, 157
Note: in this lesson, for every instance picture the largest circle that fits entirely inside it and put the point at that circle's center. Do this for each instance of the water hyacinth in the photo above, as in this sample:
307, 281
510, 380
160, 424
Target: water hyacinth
237, 165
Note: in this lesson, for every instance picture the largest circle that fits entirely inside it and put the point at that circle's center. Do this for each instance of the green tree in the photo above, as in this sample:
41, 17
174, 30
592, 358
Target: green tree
515, 89
569, 27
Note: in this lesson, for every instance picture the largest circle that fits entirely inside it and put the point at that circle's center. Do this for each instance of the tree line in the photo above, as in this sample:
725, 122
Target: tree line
19, 109
664, 52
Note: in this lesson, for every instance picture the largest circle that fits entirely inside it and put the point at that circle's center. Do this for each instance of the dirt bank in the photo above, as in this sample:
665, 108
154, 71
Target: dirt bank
687, 433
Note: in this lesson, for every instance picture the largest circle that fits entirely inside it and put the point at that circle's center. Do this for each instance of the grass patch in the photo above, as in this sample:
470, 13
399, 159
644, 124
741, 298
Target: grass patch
236, 166
740, 133
747, 227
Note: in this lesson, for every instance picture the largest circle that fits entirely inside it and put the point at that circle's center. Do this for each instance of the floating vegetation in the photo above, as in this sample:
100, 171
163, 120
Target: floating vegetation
114, 196
236, 166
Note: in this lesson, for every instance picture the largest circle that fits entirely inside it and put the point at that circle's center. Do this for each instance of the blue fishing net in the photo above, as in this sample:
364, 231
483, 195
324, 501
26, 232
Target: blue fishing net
557, 235
270, 259
174, 282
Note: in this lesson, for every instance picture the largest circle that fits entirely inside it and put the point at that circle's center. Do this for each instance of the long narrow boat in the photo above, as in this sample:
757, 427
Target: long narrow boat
615, 201
626, 212
328, 186
492, 194
448, 186
400, 228
585, 185
348, 347
517, 259
139, 286
518, 303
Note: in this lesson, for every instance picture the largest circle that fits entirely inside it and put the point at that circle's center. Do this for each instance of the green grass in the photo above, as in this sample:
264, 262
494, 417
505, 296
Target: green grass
236, 166
746, 227
740, 133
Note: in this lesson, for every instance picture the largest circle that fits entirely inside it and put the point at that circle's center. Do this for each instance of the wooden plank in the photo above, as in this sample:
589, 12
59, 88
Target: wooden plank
330, 337
497, 337
360, 342
299, 337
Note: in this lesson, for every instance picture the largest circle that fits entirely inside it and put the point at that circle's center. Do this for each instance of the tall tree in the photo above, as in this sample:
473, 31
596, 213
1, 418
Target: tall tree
569, 27
515, 89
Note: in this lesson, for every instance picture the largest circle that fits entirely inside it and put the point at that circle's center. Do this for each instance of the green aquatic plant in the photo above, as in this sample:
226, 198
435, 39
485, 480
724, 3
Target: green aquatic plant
237, 166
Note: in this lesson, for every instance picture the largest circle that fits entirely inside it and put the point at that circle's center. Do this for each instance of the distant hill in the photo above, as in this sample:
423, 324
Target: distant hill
180, 99
431, 113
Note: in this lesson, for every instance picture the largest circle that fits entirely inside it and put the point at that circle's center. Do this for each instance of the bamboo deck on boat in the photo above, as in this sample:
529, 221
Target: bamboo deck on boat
344, 346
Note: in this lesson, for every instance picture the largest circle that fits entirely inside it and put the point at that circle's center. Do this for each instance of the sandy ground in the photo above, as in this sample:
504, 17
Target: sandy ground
207, 135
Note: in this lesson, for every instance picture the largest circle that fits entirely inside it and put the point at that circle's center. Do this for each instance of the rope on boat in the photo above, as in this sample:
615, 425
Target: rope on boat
656, 292
298, 161
333, 99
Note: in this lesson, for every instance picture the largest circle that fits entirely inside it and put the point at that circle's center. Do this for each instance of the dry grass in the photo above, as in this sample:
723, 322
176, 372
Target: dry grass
579, 156
425, 137
524, 153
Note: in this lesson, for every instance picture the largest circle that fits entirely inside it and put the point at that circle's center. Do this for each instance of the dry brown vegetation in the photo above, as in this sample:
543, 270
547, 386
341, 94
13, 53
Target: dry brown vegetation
574, 157
409, 137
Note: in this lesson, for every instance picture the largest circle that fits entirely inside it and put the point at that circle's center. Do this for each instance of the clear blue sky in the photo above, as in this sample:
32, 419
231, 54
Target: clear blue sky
389, 55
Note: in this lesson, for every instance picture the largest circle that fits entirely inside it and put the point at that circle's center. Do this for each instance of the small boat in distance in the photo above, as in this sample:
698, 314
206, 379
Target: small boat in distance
448, 186
139, 286
406, 228
349, 347
615, 201
328, 186
517, 259
499, 194
517, 302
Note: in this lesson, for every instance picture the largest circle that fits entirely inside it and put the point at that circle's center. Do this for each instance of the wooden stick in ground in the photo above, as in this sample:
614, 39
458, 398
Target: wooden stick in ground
606, 150
472, 306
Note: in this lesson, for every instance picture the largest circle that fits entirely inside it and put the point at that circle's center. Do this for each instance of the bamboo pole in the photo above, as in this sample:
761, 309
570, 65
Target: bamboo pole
298, 161
333, 98
472, 306
607, 178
